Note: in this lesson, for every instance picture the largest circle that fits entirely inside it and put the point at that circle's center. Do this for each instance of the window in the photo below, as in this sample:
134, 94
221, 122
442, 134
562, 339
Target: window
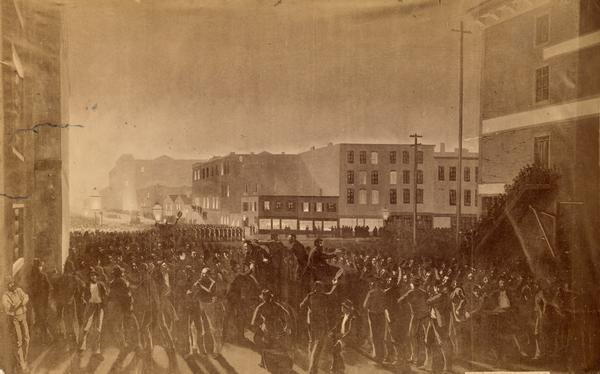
363, 157
305, 206
362, 197
228, 191
291, 205
374, 197
542, 82
254, 206
441, 172
350, 157
393, 177
452, 197
452, 173
419, 157
467, 198
476, 197
542, 29
349, 177
393, 196
362, 175
467, 174
246, 188
245, 207
419, 176
392, 157
266, 205
319, 207
419, 196
331, 207
406, 176
374, 158
406, 196
476, 174
350, 196
540, 151
405, 157
374, 177
278, 205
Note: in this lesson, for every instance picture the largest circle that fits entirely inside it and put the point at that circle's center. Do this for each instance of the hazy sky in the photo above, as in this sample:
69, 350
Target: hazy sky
193, 79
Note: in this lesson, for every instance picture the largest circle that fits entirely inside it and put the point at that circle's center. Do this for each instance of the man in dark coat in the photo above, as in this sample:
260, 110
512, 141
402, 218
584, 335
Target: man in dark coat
120, 292
40, 292
95, 295
318, 266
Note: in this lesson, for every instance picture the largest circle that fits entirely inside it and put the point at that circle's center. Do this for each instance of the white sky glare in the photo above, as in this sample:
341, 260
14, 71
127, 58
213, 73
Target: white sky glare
192, 79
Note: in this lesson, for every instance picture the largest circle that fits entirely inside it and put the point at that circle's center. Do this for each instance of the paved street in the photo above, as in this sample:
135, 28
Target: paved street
235, 359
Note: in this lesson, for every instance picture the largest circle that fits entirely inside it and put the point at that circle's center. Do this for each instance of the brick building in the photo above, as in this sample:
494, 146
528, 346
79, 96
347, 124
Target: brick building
540, 104
361, 182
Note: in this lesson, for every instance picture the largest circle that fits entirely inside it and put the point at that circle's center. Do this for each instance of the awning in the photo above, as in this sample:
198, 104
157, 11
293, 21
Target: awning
490, 189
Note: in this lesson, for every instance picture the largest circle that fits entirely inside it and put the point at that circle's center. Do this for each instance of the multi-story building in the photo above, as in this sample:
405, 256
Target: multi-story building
367, 182
131, 175
34, 188
219, 184
446, 188
34, 210
540, 104
290, 213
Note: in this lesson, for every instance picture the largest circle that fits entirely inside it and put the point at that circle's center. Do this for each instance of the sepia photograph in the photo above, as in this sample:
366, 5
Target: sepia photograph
299, 186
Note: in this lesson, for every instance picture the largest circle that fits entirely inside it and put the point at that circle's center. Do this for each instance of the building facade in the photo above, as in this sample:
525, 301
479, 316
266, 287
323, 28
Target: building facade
219, 184
369, 182
131, 175
540, 105
34, 210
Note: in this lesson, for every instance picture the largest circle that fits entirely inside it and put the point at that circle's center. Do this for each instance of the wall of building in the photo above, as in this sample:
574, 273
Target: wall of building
442, 187
508, 83
384, 167
130, 175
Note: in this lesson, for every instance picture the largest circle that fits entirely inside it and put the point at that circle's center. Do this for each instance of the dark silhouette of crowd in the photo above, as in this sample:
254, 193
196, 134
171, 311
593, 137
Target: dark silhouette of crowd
190, 290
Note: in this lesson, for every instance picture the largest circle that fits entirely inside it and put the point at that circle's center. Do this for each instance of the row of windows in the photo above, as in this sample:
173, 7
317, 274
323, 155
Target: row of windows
210, 171
306, 206
393, 196
466, 198
452, 173
209, 202
362, 177
362, 157
406, 197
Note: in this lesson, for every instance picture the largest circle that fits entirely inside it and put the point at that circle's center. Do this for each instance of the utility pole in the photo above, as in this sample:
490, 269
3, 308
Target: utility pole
460, 175
416, 137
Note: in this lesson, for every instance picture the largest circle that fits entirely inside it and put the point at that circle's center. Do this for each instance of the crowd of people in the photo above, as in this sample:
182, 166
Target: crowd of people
185, 290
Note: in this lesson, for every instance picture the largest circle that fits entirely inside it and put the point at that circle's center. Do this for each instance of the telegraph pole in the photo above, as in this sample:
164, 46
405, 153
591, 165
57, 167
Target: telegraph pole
460, 176
416, 137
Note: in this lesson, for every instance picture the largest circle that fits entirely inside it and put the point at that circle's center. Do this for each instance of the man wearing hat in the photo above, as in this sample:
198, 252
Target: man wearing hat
317, 303
375, 304
120, 292
317, 263
270, 323
338, 335
95, 295
14, 302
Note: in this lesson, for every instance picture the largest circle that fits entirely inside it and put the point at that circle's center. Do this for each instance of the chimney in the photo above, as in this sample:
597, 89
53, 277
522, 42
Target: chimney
442, 147
312, 148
